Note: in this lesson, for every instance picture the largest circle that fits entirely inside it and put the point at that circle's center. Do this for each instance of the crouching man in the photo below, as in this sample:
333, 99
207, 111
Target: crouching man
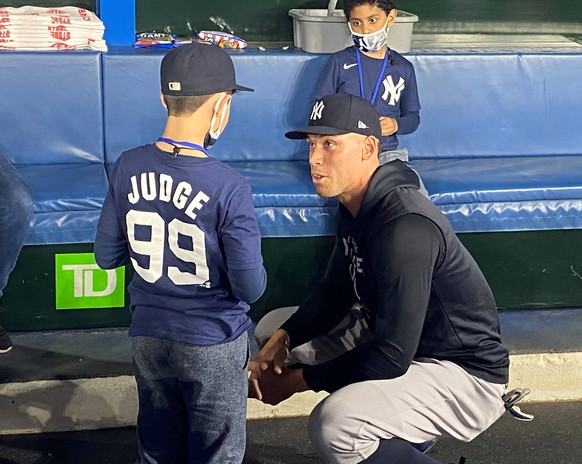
402, 330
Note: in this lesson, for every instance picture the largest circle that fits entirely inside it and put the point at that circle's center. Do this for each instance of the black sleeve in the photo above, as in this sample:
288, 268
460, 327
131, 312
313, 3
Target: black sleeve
326, 305
405, 255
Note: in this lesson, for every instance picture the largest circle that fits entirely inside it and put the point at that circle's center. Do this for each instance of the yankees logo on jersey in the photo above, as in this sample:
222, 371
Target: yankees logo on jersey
390, 85
391, 90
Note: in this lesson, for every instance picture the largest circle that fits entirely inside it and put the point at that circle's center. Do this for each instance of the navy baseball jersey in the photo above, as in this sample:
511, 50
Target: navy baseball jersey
185, 224
392, 84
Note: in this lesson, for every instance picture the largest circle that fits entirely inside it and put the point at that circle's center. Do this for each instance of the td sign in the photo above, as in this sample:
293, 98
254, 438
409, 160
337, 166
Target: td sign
80, 283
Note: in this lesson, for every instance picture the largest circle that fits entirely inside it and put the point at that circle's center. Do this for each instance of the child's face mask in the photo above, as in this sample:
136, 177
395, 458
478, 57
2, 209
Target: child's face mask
373, 41
212, 135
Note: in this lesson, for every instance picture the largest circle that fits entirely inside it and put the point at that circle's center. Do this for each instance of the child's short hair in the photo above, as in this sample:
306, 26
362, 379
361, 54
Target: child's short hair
386, 5
182, 105
186, 105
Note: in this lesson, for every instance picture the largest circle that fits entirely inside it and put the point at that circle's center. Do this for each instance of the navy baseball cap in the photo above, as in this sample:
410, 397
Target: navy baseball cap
340, 113
198, 68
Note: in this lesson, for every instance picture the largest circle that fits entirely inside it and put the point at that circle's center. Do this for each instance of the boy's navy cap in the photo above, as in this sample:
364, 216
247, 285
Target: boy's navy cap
340, 113
198, 68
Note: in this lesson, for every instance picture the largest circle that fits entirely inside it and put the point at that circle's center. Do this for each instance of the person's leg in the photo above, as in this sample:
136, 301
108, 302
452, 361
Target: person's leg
433, 399
5, 342
161, 422
214, 385
402, 155
351, 331
15, 215
391, 155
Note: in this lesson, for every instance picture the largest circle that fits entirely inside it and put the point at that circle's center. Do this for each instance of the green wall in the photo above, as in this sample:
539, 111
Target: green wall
267, 20
525, 270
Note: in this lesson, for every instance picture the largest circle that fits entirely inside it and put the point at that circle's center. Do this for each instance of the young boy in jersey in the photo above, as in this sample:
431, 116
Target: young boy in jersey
373, 71
186, 223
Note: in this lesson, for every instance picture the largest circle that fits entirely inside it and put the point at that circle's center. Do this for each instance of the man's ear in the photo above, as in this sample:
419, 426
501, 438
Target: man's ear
371, 147
162, 100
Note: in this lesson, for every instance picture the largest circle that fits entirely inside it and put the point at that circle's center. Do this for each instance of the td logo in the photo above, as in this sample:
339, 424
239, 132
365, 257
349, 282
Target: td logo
80, 283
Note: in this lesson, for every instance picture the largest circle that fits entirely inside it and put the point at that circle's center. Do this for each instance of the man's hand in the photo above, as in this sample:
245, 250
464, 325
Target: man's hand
271, 358
389, 125
276, 388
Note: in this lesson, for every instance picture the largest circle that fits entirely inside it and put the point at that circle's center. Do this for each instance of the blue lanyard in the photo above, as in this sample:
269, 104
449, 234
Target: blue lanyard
175, 144
375, 92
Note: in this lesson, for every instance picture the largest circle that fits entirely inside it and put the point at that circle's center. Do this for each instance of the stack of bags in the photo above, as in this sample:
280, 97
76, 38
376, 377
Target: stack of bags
38, 28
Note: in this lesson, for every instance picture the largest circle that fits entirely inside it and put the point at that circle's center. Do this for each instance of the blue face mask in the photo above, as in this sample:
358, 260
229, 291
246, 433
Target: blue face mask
373, 41
212, 135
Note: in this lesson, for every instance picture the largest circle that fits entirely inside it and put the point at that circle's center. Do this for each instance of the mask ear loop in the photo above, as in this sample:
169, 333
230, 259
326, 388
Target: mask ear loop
215, 134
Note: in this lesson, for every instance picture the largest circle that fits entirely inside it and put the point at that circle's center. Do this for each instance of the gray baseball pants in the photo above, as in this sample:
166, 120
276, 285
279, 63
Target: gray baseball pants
434, 398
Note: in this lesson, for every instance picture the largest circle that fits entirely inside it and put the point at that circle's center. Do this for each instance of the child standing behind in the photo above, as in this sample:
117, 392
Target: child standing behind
373, 71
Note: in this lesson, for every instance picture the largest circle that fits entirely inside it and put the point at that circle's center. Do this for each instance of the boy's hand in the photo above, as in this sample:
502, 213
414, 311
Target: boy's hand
389, 125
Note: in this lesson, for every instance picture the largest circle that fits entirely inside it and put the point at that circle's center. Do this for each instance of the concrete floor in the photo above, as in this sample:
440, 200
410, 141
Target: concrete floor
554, 437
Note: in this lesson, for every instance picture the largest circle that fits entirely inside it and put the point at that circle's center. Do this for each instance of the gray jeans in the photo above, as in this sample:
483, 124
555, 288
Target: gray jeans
402, 155
192, 401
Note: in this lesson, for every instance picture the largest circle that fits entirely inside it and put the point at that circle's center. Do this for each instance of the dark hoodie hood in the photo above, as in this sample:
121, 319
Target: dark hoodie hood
387, 177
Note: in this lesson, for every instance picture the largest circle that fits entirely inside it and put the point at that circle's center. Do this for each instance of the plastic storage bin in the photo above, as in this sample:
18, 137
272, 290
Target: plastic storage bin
326, 31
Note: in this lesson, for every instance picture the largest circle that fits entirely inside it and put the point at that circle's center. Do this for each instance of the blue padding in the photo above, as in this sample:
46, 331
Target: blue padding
281, 184
502, 194
132, 109
63, 227
456, 181
514, 216
283, 82
51, 107
497, 105
490, 148
296, 222
67, 199
285, 201
473, 105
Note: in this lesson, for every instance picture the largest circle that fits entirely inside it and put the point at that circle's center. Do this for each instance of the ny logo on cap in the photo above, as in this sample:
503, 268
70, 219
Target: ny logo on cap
316, 111
174, 86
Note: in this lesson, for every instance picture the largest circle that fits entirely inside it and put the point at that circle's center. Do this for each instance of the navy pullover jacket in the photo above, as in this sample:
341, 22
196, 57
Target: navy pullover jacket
421, 292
